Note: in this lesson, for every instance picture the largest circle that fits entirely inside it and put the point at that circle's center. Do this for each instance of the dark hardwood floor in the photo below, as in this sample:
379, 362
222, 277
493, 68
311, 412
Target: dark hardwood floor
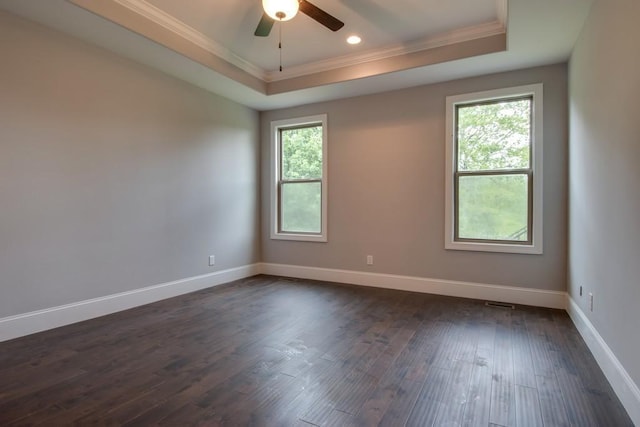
269, 351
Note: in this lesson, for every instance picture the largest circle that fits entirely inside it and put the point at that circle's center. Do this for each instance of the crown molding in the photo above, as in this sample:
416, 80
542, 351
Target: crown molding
449, 52
440, 40
160, 17
136, 15
190, 34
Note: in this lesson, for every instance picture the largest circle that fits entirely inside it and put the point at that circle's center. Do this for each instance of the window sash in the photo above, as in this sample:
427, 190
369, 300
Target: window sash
510, 172
494, 172
282, 183
281, 130
282, 180
490, 102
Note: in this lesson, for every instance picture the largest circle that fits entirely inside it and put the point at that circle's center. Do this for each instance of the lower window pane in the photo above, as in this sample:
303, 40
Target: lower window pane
493, 207
301, 207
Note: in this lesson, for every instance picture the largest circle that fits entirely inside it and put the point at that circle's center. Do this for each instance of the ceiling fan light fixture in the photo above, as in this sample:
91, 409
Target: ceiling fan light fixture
280, 10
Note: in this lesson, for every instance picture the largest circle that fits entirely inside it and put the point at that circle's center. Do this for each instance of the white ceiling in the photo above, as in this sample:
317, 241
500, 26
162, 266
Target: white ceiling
244, 66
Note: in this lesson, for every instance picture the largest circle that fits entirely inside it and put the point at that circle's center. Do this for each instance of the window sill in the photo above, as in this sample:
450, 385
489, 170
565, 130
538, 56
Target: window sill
494, 247
299, 237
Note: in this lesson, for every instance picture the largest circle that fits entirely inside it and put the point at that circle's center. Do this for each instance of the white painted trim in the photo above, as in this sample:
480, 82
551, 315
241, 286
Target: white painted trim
537, 140
42, 320
169, 22
625, 388
275, 174
481, 291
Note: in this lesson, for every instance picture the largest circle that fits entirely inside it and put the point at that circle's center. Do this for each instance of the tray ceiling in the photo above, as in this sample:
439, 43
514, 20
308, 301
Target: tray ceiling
406, 42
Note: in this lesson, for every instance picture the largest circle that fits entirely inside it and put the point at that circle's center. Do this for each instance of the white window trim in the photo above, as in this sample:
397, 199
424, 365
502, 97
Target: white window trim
537, 128
275, 157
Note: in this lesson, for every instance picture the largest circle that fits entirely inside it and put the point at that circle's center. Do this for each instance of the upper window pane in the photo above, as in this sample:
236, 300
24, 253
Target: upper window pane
494, 135
302, 153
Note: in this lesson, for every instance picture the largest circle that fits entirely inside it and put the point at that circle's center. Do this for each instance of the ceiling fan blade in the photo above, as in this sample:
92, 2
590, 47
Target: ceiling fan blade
264, 26
320, 15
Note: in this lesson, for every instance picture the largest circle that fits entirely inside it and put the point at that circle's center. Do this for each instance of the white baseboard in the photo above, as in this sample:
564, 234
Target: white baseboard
41, 320
514, 295
625, 388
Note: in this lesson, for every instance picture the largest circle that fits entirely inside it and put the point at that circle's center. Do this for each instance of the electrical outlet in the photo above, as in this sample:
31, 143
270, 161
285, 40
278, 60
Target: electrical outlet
212, 260
591, 301
369, 259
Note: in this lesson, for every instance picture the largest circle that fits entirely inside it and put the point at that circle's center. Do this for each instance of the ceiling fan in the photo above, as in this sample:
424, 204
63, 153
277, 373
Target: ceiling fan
284, 10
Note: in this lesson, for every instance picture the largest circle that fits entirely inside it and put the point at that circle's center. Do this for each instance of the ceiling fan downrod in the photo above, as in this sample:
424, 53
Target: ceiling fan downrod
280, 43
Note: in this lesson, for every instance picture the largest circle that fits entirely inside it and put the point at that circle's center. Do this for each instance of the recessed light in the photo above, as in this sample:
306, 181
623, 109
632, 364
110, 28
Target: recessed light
354, 39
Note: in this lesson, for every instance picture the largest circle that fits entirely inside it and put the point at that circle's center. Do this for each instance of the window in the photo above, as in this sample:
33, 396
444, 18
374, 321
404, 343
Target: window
494, 171
299, 179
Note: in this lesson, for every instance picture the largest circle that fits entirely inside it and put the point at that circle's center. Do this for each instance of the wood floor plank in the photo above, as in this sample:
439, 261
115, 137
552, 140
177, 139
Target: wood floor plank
554, 413
579, 410
431, 398
344, 385
456, 396
338, 418
476, 410
528, 412
502, 403
524, 374
390, 381
271, 351
30, 395
543, 349
400, 407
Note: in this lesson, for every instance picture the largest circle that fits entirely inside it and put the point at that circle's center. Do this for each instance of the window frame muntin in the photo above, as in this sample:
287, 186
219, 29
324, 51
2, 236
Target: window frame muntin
277, 126
535, 182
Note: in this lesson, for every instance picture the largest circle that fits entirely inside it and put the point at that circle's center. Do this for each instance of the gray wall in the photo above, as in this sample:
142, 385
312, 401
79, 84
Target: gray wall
604, 242
386, 187
114, 176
